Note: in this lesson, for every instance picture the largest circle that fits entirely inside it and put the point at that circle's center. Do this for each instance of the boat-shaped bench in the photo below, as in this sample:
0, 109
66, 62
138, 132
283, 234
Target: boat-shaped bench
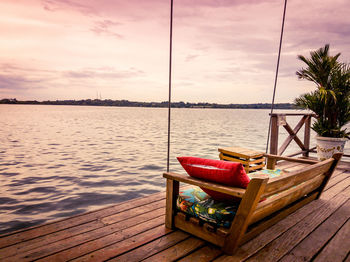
263, 203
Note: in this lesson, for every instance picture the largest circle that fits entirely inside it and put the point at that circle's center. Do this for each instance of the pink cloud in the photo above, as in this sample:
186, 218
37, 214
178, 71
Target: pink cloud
106, 27
223, 49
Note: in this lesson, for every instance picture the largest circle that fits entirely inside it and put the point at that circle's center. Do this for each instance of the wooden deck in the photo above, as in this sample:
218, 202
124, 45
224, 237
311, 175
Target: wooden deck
134, 231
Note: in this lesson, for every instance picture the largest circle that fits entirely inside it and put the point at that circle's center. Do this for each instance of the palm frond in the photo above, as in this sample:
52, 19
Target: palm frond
331, 100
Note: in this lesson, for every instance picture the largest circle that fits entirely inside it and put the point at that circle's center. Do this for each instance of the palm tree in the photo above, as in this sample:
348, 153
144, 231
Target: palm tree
331, 100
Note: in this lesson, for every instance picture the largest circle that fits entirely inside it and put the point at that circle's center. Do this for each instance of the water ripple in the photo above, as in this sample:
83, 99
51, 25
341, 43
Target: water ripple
58, 161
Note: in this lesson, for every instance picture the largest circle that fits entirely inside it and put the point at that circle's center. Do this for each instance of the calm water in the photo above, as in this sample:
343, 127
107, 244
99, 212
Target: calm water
57, 161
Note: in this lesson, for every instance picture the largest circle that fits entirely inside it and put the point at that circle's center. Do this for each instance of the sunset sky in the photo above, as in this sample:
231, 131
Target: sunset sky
225, 51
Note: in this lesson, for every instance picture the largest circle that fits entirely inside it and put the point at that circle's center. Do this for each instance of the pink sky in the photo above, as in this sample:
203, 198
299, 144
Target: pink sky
225, 51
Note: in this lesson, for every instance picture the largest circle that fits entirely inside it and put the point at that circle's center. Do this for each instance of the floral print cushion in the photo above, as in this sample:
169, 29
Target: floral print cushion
272, 173
195, 202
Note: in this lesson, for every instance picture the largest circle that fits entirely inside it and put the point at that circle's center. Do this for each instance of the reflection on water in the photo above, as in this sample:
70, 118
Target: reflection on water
57, 161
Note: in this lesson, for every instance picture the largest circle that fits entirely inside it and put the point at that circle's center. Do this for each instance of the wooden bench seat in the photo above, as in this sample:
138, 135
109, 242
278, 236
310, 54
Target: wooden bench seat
288, 193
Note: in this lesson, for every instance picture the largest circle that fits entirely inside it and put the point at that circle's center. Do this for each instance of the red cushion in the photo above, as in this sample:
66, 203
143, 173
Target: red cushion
223, 172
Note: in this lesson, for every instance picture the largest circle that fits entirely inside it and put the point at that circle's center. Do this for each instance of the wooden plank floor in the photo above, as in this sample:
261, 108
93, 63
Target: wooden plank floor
134, 231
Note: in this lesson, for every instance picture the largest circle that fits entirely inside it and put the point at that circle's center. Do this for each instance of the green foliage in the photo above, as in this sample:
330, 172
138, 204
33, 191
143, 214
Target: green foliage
331, 100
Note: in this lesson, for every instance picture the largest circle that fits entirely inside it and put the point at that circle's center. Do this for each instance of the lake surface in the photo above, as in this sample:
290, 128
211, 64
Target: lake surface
58, 161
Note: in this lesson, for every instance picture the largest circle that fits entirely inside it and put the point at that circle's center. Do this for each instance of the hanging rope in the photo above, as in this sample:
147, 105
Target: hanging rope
276, 76
170, 66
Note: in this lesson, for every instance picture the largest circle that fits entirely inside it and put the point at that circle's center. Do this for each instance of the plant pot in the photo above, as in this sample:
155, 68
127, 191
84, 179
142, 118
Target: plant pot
327, 146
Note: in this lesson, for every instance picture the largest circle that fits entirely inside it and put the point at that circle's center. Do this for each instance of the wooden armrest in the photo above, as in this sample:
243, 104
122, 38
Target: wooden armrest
281, 183
233, 191
291, 159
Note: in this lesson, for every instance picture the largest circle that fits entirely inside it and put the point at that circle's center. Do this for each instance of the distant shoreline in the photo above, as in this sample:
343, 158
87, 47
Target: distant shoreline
127, 103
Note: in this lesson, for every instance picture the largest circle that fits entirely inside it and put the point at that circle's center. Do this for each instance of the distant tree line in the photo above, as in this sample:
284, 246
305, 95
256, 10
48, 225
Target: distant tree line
127, 103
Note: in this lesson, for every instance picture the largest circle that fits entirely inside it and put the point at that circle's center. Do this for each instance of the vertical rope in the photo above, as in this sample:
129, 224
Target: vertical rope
170, 69
276, 76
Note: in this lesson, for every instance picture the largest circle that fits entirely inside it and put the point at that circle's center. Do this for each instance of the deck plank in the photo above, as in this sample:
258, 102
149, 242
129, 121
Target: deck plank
32, 244
95, 228
291, 168
287, 164
111, 239
37, 231
338, 177
177, 251
347, 259
204, 254
89, 241
152, 247
338, 249
287, 241
127, 244
315, 241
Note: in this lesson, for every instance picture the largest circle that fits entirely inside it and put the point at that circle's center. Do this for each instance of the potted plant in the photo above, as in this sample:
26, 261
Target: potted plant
330, 101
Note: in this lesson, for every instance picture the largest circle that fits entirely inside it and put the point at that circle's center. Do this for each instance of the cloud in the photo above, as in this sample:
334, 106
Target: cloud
16, 82
191, 57
106, 27
112, 45
14, 77
227, 3
132, 9
58, 5
103, 73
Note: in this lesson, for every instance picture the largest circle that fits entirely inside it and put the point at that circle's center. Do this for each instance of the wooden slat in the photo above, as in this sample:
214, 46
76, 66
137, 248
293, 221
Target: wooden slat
234, 191
278, 184
291, 169
296, 167
204, 254
244, 213
133, 212
338, 249
198, 231
329, 173
252, 168
292, 135
270, 222
333, 190
292, 159
84, 243
303, 152
37, 231
274, 203
307, 130
129, 243
245, 162
287, 165
272, 160
314, 242
271, 163
152, 247
240, 152
337, 172
132, 216
194, 220
286, 242
335, 179
274, 137
172, 191
177, 251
